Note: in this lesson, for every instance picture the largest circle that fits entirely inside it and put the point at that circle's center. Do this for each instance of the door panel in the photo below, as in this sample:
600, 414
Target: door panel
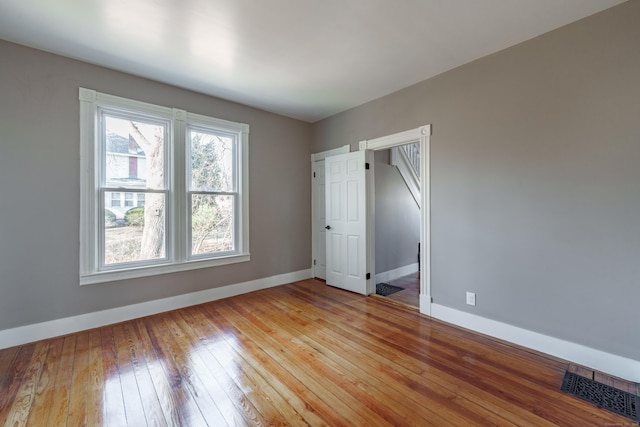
346, 216
353, 254
335, 254
335, 199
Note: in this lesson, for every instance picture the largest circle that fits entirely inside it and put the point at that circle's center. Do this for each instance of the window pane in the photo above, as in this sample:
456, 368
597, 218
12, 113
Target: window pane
109, 218
134, 153
128, 199
115, 200
135, 234
211, 162
211, 223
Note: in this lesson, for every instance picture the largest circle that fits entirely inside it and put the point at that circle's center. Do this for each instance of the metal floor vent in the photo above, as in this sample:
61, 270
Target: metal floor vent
602, 395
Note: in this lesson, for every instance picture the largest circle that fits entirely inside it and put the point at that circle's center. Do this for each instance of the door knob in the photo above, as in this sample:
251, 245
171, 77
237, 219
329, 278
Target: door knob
328, 227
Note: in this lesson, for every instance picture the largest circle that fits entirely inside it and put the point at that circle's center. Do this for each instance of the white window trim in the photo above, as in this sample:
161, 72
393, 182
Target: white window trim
177, 246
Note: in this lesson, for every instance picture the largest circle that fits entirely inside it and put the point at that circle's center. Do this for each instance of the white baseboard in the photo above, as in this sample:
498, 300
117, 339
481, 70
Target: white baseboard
30, 333
598, 360
425, 304
387, 276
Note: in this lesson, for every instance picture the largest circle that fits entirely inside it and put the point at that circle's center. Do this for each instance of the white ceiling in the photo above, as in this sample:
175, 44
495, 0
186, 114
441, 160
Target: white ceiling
306, 59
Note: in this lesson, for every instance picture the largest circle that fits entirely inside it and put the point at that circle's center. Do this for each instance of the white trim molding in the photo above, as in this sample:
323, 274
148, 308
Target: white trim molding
421, 135
396, 273
401, 138
39, 331
324, 154
598, 360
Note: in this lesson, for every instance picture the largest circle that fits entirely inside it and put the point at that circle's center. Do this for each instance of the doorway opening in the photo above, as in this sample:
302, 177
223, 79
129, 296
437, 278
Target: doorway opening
397, 224
320, 223
420, 136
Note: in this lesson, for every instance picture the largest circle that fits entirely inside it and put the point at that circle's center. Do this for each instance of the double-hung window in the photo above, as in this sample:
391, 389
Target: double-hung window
162, 189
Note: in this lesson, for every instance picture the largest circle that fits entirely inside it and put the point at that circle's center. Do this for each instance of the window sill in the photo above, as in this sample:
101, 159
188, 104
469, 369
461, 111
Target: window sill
133, 273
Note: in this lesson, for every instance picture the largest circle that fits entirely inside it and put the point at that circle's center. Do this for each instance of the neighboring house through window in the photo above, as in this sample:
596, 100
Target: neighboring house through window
115, 200
162, 189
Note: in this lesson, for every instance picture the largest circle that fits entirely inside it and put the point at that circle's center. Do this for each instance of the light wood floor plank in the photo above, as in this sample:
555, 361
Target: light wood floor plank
25, 396
196, 404
511, 388
300, 367
126, 359
113, 411
7, 360
14, 375
176, 404
62, 384
406, 371
77, 414
41, 407
410, 295
260, 392
303, 354
339, 358
226, 402
231, 377
149, 397
476, 368
291, 340
95, 387
301, 398
400, 377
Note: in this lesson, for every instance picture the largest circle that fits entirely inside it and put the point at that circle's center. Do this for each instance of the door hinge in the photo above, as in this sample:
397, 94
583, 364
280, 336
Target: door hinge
366, 165
314, 174
314, 262
368, 276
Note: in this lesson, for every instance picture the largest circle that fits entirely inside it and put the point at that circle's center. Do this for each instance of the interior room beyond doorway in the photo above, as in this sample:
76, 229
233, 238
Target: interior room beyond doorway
397, 225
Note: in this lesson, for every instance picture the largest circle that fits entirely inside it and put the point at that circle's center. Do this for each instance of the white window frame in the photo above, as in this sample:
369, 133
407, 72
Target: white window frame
177, 232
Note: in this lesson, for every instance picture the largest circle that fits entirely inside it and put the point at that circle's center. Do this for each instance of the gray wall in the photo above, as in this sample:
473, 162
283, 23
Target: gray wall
40, 189
397, 218
535, 179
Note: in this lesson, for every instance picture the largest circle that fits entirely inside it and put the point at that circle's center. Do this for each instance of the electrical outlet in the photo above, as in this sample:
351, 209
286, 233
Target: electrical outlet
471, 298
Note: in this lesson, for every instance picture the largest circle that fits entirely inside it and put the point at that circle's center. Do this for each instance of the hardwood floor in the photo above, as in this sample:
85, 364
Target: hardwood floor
299, 354
410, 295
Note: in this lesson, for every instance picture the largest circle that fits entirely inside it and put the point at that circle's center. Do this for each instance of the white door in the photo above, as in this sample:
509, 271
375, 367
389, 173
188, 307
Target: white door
346, 218
319, 221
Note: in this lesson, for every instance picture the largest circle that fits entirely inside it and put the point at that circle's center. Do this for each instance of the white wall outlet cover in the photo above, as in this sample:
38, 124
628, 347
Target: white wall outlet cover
471, 298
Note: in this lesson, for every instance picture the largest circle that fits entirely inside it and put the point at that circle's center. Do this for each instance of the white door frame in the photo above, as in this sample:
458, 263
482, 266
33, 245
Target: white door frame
421, 135
316, 158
